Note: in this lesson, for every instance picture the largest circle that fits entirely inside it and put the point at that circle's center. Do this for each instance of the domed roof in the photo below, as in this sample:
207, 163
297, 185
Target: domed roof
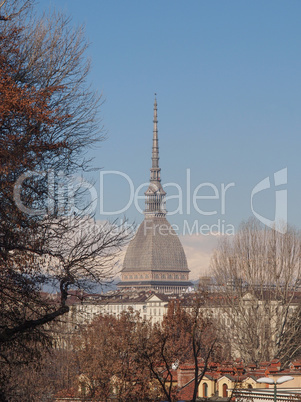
155, 247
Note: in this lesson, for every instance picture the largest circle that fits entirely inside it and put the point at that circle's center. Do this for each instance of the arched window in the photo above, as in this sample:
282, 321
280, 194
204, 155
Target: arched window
250, 386
225, 389
205, 390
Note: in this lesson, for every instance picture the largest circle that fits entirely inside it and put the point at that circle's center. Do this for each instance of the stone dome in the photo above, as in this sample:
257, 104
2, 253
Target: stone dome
155, 247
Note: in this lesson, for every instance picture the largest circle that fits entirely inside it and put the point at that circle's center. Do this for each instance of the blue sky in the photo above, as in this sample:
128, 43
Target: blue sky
227, 76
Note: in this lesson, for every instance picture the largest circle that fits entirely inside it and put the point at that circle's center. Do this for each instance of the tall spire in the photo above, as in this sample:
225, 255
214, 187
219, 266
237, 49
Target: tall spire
155, 170
155, 195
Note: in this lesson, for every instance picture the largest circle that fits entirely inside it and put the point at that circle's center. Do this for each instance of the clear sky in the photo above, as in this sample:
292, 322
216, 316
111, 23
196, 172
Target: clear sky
227, 76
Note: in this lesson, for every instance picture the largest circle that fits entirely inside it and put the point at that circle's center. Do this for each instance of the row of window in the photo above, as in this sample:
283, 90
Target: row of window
136, 276
119, 308
157, 276
154, 311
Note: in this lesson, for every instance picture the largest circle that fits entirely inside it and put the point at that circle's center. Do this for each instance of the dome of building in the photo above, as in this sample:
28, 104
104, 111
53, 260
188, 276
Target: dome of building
155, 247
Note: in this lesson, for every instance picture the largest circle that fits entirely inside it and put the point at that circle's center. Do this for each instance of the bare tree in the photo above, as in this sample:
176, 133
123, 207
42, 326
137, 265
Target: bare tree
107, 360
259, 274
49, 116
204, 338
10, 9
185, 336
